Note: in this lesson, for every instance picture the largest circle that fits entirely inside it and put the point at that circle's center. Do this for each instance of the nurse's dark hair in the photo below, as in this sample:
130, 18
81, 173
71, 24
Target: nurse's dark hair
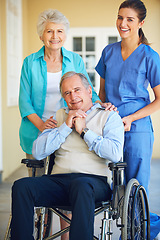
141, 11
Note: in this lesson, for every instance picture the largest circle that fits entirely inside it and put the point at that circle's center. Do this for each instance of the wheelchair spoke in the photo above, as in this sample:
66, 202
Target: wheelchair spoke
139, 224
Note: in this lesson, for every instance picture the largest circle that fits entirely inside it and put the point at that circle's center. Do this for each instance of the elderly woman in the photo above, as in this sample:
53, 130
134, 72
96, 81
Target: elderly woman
39, 96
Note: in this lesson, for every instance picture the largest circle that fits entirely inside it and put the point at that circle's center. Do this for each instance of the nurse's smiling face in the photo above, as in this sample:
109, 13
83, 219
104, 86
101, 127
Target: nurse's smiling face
128, 24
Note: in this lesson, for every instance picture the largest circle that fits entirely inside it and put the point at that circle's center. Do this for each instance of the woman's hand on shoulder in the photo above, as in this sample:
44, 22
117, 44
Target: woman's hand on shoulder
49, 123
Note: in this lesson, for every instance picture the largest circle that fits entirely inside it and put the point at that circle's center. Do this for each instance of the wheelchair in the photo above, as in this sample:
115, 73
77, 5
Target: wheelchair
128, 207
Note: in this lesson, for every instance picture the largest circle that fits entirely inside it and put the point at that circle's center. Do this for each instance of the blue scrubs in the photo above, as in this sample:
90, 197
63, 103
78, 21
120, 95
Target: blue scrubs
126, 84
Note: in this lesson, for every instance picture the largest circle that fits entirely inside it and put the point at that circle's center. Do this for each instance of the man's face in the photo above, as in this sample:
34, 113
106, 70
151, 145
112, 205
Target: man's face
75, 94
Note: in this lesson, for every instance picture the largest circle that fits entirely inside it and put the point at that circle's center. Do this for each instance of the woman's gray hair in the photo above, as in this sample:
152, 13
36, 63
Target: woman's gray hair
51, 15
84, 79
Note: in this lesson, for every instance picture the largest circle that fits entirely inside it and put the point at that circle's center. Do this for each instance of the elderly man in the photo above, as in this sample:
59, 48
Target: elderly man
85, 139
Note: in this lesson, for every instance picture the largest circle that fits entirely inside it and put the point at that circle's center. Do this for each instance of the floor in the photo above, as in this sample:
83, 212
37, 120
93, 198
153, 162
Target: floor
5, 199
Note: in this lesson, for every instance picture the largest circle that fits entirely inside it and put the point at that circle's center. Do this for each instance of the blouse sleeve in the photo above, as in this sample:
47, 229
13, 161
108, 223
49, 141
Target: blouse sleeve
25, 104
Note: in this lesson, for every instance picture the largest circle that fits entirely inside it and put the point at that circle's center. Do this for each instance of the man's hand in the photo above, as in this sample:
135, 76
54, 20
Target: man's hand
72, 115
80, 124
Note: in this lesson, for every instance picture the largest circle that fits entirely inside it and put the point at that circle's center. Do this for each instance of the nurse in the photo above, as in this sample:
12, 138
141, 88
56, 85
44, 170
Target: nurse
126, 69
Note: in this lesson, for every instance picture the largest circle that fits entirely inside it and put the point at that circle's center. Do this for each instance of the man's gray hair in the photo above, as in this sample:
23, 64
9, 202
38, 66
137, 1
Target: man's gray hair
51, 15
84, 79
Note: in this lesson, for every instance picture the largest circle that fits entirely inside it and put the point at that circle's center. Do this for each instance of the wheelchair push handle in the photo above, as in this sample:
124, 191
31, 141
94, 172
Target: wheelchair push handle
117, 166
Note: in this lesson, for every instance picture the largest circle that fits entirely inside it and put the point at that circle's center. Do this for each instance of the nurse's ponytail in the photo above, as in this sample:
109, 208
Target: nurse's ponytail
141, 10
142, 38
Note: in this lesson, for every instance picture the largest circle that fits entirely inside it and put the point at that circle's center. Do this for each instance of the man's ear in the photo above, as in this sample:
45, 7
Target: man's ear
90, 91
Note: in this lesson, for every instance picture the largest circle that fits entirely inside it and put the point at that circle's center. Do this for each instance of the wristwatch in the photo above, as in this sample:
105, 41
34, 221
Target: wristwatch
84, 130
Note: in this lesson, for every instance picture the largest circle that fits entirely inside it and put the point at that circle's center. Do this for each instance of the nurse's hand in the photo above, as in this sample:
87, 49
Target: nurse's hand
109, 106
127, 121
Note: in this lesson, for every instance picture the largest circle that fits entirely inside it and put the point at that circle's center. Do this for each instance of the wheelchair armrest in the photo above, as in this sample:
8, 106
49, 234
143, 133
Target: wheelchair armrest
116, 166
33, 163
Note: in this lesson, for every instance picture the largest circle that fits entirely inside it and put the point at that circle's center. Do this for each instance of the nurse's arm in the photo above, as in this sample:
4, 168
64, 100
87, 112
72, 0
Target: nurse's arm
102, 95
102, 92
143, 112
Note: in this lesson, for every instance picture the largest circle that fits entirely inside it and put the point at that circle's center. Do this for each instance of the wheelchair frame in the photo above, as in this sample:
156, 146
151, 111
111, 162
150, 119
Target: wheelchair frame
128, 206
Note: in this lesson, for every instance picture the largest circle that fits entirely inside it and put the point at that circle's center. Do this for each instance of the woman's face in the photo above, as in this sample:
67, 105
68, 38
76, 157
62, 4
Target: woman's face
128, 23
53, 36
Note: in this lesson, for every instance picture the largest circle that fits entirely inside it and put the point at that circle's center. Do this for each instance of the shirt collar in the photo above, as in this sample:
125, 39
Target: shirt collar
95, 105
65, 53
39, 54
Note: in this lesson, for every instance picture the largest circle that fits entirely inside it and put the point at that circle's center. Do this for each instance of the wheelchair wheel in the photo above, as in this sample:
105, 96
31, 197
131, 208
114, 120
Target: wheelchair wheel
135, 215
39, 222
